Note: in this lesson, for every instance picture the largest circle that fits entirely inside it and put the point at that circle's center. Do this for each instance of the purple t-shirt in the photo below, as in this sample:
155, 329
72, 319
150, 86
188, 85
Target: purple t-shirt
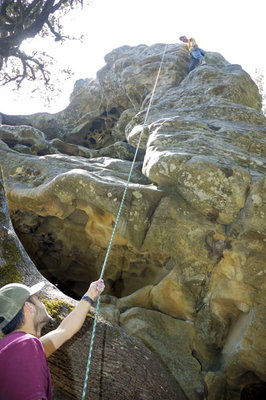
24, 373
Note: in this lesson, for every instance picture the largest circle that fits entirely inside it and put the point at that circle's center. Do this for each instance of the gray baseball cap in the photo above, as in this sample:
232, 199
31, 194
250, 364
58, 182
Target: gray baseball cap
12, 299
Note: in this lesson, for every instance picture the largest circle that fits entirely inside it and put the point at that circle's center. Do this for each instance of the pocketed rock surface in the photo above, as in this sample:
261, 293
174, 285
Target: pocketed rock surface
186, 272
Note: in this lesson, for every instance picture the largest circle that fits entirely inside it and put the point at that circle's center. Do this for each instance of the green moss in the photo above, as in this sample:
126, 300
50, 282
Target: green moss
9, 252
10, 274
2, 216
56, 307
9, 271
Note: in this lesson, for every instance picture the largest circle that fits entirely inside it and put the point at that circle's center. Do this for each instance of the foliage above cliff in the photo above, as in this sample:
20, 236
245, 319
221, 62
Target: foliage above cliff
24, 19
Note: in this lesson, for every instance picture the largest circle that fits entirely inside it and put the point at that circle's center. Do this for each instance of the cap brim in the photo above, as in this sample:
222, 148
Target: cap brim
36, 288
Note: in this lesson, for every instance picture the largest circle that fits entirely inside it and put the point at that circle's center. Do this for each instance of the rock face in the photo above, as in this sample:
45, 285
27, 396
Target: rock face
113, 373
186, 272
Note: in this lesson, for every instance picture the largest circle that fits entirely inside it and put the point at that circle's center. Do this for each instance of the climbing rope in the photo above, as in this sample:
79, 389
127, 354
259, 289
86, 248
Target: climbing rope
115, 226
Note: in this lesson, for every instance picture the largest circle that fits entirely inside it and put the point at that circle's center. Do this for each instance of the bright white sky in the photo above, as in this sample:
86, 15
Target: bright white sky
234, 28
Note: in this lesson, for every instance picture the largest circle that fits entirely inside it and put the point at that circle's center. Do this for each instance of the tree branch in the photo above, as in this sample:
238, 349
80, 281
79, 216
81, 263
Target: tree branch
3, 14
30, 65
17, 38
20, 20
60, 3
31, 6
57, 35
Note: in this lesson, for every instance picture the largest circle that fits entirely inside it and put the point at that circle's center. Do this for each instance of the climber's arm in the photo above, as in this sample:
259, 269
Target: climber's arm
73, 322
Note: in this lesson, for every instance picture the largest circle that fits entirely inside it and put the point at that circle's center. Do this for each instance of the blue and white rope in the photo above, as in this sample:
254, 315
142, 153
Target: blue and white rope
114, 230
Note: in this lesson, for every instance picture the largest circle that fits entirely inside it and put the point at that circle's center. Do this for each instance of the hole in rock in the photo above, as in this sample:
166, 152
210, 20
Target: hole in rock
58, 249
96, 124
256, 391
96, 133
70, 252
10, 142
92, 141
42, 152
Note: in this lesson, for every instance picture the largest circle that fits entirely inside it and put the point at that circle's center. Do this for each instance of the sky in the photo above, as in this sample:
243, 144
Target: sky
234, 28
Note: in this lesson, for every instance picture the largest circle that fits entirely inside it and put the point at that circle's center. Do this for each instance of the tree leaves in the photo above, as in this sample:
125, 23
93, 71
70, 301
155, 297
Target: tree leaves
24, 19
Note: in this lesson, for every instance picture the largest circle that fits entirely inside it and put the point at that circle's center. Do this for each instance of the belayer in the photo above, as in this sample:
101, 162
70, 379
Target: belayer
24, 373
197, 54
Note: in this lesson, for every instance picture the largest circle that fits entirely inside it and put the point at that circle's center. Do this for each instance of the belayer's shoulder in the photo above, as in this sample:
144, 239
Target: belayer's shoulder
26, 339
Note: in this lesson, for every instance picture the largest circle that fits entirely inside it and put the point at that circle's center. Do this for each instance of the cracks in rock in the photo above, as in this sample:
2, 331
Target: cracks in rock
118, 283
213, 215
216, 246
214, 127
197, 357
150, 216
102, 362
133, 104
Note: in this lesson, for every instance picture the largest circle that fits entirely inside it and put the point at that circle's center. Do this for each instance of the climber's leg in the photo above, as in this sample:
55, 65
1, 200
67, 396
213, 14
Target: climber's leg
193, 63
196, 53
202, 52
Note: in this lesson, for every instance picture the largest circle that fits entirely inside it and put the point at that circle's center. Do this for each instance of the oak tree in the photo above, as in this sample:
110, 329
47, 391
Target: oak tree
25, 19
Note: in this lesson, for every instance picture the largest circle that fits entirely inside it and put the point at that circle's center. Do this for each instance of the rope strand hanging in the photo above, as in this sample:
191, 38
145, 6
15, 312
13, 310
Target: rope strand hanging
115, 226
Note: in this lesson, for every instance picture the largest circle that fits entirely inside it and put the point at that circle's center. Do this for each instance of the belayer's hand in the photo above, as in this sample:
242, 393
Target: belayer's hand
95, 289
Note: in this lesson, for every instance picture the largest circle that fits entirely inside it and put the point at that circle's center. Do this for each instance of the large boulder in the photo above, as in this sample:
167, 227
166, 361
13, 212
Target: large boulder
185, 273
206, 144
175, 352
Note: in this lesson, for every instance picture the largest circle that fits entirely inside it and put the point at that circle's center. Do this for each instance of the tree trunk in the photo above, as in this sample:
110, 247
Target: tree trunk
122, 367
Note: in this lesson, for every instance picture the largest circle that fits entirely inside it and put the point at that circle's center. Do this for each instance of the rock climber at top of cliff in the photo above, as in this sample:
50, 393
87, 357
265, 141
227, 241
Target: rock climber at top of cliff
24, 373
197, 54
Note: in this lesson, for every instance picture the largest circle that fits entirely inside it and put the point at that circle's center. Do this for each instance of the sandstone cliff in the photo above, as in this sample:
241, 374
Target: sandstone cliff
186, 273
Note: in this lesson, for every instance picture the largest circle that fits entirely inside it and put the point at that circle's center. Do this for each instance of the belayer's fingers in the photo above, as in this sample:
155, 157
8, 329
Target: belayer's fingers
100, 286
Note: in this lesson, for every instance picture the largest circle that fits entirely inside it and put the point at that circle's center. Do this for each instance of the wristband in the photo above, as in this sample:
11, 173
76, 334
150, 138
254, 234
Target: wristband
88, 299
